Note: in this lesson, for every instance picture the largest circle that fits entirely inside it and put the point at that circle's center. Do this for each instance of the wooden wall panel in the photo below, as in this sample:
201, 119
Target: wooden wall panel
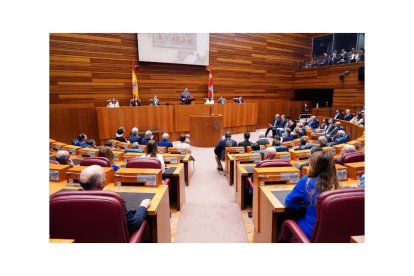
182, 121
67, 123
348, 93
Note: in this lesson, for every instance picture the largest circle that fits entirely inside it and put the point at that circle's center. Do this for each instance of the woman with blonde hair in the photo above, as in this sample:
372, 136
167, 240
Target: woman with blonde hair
108, 153
321, 177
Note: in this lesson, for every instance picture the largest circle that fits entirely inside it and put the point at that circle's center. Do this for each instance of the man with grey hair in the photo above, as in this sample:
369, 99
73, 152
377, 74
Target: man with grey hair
339, 138
62, 157
92, 178
270, 153
346, 149
262, 139
148, 136
165, 142
134, 136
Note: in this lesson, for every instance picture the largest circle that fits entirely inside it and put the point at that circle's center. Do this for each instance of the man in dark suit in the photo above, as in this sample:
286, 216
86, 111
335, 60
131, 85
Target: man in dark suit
313, 123
185, 96
219, 148
134, 136
262, 139
338, 115
348, 116
333, 130
82, 138
339, 138
302, 143
165, 142
246, 141
274, 125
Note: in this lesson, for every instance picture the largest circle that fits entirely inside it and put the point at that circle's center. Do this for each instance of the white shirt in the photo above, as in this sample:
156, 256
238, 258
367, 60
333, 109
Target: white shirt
209, 102
112, 105
186, 146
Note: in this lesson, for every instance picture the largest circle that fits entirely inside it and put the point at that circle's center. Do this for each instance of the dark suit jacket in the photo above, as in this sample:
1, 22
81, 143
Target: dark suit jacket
313, 124
219, 148
348, 117
135, 218
245, 143
288, 138
135, 138
278, 121
165, 143
338, 115
263, 141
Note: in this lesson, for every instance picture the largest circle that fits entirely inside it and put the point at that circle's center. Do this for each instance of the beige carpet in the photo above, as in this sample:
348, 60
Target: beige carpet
210, 213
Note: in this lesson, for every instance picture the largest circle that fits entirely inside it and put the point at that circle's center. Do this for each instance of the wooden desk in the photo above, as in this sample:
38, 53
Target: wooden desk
88, 152
57, 146
284, 155
241, 176
355, 170
300, 154
358, 239
73, 150
158, 213
177, 181
61, 241
237, 118
118, 155
269, 210
242, 158
228, 161
185, 160
341, 172
133, 176
57, 172
73, 174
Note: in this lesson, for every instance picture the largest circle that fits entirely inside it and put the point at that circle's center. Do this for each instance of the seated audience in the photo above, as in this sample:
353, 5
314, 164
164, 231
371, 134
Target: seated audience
108, 153
165, 142
246, 141
134, 148
135, 102
183, 144
302, 143
322, 141
269, 153
324, 60
282, 125
274, 125
91, 142
291, 123
134, 136
148, 136
120, 135
82, 138
348, 116
112, 103
339, 138
152, 152
346, 149
219, 148
256, 149
343, 57
92, 178
313, 123
62, 156
286, 136
278, 145
262, 140
338, 115
321, 177
332, 131
324, 126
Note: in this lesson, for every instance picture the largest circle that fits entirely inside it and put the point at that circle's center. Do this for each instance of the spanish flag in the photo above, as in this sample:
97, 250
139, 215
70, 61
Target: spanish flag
134, 81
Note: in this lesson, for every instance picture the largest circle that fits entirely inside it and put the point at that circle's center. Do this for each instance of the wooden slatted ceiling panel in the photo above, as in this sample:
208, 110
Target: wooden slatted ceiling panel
91, 68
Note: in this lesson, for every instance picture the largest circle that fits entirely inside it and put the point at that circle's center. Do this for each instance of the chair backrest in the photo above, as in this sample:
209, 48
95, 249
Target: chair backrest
274, 163
101, 161
144, 163
352, 157
88, 216
340, 214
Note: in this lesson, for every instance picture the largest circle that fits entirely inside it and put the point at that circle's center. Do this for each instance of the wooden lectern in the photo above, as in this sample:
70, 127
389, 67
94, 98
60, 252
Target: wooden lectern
205, 131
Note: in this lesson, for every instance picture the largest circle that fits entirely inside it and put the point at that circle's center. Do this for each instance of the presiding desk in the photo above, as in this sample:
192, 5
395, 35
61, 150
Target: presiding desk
158, 213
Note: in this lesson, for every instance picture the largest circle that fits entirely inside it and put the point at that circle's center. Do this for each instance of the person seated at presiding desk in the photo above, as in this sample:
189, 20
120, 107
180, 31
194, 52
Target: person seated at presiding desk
92, 178
62, 157
154, 101
152, 152
134, 136
148, 136
165, 142
120, 135
262, 139
209, 101
112, 103
321, 177
219, 148
108, 154
238, 100
246, 141
135, 102
221, 100
186, 97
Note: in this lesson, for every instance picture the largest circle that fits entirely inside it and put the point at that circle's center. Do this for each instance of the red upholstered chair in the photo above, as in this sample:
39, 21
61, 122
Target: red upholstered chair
340, 214
146, 163
101, 161
352, 157
91, 216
